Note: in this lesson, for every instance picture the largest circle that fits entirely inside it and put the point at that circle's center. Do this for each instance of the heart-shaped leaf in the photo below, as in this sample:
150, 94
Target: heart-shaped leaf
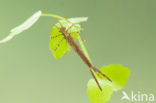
95, 94
119, 76
58, 43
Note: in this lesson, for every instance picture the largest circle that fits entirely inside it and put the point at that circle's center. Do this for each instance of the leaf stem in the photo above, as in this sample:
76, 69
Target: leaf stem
56, 16
83, 48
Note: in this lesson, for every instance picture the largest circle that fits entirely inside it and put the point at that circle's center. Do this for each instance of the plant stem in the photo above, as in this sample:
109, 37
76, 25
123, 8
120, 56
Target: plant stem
83, 48
56, 16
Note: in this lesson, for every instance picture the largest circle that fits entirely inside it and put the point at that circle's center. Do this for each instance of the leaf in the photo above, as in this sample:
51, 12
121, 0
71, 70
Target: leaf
95, 94
58, 43
119, 76
61, 50
77, 19
24, 26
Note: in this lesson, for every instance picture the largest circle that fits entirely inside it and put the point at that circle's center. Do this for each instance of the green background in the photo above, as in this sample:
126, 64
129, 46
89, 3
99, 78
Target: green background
119, 32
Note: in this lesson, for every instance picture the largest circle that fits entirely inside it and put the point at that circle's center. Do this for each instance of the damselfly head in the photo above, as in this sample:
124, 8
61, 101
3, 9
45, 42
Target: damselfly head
62, 29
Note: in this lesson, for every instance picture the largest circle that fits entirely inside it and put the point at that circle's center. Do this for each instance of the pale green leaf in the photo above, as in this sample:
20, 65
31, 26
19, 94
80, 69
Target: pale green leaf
95, 94
77, 19
24, 26
58, 43
118, 74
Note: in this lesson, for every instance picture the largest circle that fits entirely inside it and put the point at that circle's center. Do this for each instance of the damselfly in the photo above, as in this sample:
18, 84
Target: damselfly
65, 36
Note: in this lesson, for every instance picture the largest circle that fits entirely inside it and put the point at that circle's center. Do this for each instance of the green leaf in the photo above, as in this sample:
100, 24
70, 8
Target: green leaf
119, 76
58, 43
78, 19
95, 94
